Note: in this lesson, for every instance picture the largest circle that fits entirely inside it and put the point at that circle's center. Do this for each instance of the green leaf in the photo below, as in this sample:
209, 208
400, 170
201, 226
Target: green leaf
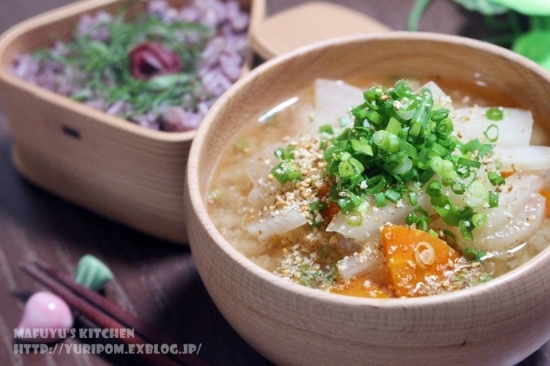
534, 45
527, 7
487, 7
417, 11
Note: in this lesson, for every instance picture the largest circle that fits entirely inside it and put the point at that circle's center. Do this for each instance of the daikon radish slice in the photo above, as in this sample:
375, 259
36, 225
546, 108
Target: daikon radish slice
514, 129
375, 217
333, 100
524, 158
368, 260
276, 223
439, 96
520, 213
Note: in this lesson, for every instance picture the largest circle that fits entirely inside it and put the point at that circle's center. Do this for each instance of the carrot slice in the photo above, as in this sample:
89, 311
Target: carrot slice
415, 258
360, 286
506, 174
546, 194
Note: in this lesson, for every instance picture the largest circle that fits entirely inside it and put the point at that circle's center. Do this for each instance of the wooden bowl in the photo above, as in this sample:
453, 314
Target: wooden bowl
497, 323
125, 172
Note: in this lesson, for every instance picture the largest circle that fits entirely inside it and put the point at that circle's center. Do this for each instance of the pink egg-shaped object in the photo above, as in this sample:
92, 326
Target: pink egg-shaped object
46, 318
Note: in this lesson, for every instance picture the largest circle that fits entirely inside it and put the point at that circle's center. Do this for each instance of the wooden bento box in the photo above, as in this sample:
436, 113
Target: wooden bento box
128, 173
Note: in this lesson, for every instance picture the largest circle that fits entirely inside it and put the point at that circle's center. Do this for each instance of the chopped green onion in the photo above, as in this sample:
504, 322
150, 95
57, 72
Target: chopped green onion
407, 148
402, 89
473, 255
451, 235
326, 129
486, 149
437, 150
242, 145
436, 164
447, 210
468, 163
350, 167
400, 145
476, 195
491, 133
413, 198
440, 114
495, 178
287, 171
418, 217
376, 184
346, 204
422, 113
371, 96
394, 126
495, 114
479, 219
466, 229
286, 153
434, 189
444, 127
402, 166
415, 131
433, 233
375, 117
445, 168
317, 206
324, 144
426, 175
353, 218
471, 146
493, 199
392, 195
362, 146
405, 113
386, 141
458, 188
380, 199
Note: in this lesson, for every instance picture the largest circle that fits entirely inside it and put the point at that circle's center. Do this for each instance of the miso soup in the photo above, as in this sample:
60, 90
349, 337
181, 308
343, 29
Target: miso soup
386, 189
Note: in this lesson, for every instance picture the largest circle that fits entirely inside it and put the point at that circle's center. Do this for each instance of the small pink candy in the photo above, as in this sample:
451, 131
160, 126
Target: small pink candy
46, 318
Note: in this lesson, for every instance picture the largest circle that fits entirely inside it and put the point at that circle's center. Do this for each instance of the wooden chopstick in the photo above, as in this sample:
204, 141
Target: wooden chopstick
108, 314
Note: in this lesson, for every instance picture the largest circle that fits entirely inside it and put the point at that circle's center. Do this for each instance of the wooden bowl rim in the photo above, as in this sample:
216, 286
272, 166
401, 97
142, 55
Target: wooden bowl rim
497, 285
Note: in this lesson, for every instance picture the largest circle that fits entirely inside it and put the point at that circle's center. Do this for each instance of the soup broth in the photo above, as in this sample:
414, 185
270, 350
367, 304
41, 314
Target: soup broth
319, 254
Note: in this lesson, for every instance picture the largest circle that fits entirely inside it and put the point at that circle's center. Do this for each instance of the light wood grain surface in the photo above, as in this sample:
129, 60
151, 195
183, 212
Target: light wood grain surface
154, 280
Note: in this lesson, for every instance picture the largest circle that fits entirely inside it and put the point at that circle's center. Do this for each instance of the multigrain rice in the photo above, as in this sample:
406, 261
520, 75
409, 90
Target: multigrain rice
219, 65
